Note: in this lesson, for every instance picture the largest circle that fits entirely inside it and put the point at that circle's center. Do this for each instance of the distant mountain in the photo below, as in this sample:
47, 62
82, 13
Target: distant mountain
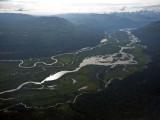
23, 36
11, 17
142, 17
101, 22
29, 36
48, 20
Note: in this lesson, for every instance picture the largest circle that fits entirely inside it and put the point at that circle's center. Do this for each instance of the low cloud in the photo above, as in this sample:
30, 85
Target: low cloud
44, 8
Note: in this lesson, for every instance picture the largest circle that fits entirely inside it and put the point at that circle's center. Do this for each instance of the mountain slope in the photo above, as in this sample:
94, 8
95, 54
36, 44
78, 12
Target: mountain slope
150, 36
11, 17
101, 22
30, 36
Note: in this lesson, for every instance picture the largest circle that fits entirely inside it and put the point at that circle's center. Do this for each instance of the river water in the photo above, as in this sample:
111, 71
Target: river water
105, 60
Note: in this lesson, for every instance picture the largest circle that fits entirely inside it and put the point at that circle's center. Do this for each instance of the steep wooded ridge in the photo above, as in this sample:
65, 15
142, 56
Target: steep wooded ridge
150, 36
23, 36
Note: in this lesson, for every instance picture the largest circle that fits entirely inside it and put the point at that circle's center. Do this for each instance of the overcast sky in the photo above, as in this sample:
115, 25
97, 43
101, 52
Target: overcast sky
48, 7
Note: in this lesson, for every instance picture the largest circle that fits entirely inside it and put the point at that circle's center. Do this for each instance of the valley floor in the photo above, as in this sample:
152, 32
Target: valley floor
60, 82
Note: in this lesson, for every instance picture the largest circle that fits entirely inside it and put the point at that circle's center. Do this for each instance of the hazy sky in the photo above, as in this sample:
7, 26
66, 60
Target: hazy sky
46, 7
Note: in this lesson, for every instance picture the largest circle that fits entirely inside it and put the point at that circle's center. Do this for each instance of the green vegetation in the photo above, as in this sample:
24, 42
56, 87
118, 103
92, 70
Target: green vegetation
149, 36
33, 36
66, 59
88, 79
116, 73
134, 97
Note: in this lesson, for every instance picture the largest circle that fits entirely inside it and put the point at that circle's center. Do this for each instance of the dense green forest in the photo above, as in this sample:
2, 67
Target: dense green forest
25, 36
136, 97
150, 36
32, 36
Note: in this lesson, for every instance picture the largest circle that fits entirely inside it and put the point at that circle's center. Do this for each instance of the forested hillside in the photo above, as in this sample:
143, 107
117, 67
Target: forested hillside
23, 36
150, 36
